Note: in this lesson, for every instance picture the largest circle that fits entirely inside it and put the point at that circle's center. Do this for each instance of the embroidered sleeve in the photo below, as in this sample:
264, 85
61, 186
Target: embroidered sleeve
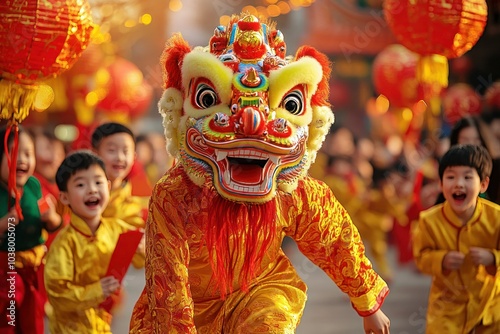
325, 234
167, 260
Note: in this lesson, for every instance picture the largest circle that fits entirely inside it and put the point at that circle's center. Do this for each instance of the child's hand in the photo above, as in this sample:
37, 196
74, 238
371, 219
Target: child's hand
109, 284
377, 323
481, 256
453, 260
141, 248
9, 219
49, 215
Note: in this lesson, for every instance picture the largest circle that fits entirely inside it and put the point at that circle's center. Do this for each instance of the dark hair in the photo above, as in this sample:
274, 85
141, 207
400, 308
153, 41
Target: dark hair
490, 116
340, 157
463, 123
467, 155
108, 129
381, 174
10, 139
76, 161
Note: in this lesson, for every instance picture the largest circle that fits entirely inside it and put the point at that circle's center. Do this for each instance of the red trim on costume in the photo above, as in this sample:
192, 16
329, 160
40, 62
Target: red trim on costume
380, 300
81, 232
244, 25
448, 219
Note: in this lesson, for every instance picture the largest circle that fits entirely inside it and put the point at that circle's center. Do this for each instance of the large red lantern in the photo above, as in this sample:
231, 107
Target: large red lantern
436, 30
394, 75
447, 28
127, 92
39, 40
460, 100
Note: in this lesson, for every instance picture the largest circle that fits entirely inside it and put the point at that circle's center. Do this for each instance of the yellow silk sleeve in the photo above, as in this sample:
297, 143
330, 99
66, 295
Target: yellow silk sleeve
139, 260
493, 269
126, 207
167, 259
59, 274
325, 234
428, 256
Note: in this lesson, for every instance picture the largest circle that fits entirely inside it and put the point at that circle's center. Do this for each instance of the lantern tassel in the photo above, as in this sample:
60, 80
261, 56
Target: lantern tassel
12, 163
16, 100
433, 70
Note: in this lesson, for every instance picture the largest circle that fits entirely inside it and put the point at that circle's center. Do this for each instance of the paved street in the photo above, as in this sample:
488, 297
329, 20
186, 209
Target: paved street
327, 311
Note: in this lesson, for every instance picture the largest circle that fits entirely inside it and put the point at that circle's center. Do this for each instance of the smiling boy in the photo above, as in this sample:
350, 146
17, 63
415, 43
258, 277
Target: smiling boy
458, 244
79, 256
114, 143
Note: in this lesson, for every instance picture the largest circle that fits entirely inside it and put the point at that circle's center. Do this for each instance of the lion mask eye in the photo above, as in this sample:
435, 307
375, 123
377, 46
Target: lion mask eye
293, 102
205, 96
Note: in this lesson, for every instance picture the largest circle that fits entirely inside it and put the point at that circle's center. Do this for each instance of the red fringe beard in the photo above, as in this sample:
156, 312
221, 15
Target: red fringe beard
238, 232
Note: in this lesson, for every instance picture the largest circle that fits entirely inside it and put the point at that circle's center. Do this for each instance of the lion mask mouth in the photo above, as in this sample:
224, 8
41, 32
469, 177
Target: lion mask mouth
244, 167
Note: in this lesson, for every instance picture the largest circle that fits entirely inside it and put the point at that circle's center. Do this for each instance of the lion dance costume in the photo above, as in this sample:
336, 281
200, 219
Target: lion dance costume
245, 123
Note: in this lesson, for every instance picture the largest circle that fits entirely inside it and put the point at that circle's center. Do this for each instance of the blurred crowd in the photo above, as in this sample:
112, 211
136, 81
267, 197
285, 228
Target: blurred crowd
385, 184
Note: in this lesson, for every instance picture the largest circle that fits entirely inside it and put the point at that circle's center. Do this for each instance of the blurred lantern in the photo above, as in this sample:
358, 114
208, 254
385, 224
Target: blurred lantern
461, 67
492, 96
38, 40
460, 100
394, 75
89, 62
340, 94
436, 30
127, 92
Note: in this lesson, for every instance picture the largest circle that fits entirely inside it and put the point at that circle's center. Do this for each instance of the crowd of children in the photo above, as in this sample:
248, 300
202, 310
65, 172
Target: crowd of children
87, 193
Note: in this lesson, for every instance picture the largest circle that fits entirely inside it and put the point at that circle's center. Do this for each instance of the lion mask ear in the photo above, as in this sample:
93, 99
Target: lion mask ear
171, 60
320, 98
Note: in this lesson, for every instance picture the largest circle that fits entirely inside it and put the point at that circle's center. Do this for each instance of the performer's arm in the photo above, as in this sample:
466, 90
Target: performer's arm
326, 235
167, 260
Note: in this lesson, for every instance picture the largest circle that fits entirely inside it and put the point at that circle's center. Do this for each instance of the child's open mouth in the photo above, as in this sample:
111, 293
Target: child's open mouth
92, 203
459, 196
119, 167
21, 171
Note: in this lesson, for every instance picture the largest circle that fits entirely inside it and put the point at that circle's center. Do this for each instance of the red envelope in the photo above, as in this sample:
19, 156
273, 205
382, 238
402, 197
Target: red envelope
123, 253
43, 206
121, 259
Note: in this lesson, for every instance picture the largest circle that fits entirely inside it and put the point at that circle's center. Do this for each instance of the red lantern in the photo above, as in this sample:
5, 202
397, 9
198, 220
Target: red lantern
340, 94
89, 62
394, 75
128, 93
460, 100
492, 96
38, 39
461, 66
447, 28
436, 30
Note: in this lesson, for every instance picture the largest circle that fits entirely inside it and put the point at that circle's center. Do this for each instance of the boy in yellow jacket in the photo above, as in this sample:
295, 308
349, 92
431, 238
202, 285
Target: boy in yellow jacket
114, 143
80, 255
458, 244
